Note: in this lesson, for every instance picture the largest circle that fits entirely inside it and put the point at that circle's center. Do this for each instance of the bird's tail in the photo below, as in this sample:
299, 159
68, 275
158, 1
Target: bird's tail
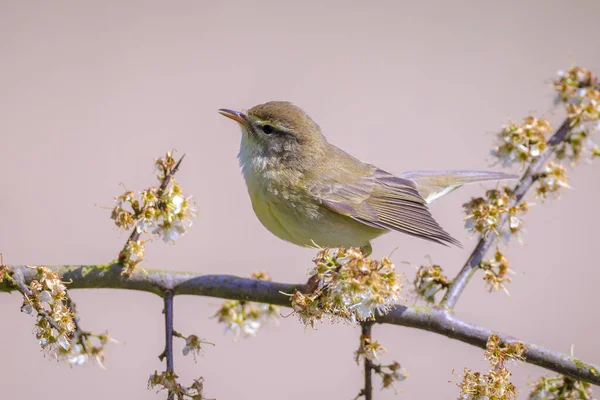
434, 184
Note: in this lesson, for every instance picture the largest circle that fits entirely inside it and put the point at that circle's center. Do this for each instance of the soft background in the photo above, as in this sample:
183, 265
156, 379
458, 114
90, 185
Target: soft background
91, 92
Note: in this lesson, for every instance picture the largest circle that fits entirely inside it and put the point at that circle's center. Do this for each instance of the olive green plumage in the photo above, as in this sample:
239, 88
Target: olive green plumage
311, 193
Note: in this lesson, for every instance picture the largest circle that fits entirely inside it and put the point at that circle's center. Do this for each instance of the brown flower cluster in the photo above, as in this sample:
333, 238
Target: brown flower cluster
570, 82
496, 272
167, 380
56, 328
245, 317
162, 211
521, 143
429, 280
46, 298
579, 90
371, 350
495, 383
346, 284
484, 214
552, 179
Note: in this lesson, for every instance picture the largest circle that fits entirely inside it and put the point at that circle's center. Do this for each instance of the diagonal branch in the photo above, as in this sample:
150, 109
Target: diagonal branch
437, 319
531, 175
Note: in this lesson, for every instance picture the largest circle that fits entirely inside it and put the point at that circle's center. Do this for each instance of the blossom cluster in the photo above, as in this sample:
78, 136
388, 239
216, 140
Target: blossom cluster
167, 380
245, 317
163, 211
579, 144
551, 180
496, 272
86, 346
561, 388
371, 350
569, 83
485, 214
46, 298
429, 280
579, 90
56, 328
497, 352
495, 383
520, 143
346, 284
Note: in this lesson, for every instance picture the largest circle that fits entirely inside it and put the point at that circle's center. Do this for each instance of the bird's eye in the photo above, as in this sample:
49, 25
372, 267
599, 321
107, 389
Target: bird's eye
268, 129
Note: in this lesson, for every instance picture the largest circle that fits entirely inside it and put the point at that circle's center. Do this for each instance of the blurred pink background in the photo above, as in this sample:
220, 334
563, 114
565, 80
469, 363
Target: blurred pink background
92, 91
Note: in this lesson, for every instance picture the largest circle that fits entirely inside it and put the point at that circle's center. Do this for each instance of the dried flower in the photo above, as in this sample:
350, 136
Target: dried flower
522, 143
570, 82
348, 285
429, 280
167, 380
561, 388
244, 317
579, 90
496, 272
495, 384
193, 345
164, 166
395, 373
551, 180
368, 349
497, 353
484, 215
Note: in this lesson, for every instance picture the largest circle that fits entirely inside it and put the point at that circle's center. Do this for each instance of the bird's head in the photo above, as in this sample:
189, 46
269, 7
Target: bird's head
280, 131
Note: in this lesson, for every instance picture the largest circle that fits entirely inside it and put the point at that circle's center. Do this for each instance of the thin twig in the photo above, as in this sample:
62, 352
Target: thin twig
366, 336
79, 334
457, 286
436, 319
168, 311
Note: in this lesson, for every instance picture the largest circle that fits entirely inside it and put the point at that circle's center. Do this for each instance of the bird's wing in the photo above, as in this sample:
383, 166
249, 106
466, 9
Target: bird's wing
381, 200
434, 184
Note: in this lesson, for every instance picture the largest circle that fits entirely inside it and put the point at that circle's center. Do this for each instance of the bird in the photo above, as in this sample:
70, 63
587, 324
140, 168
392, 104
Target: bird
311, 193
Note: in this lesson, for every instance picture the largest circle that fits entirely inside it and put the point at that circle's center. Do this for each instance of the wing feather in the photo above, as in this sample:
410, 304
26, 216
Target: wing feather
382, 200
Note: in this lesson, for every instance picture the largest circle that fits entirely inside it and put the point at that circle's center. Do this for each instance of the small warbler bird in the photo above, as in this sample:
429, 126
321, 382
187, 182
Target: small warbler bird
309, 192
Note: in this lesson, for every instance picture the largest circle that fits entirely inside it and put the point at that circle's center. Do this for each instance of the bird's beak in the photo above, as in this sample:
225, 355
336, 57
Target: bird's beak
237, 116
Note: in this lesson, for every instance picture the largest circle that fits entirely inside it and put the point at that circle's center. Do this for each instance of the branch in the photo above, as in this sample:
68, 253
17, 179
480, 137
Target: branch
436, 319
168, 311
368, 389
466, 273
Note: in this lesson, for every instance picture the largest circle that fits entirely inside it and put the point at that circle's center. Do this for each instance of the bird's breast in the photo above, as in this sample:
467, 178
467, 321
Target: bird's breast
285, 208
280, 202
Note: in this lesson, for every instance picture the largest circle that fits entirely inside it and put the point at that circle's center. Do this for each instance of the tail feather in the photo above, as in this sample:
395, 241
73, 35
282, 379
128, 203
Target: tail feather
434, 184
